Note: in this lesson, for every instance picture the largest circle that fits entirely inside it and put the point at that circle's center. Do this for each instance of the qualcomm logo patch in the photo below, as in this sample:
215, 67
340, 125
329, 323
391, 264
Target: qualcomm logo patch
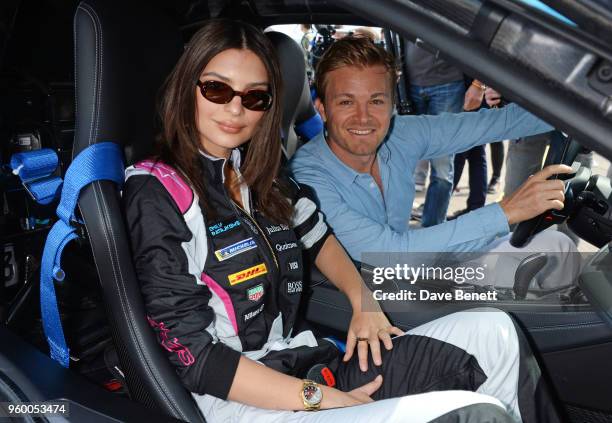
235, 249
285, 246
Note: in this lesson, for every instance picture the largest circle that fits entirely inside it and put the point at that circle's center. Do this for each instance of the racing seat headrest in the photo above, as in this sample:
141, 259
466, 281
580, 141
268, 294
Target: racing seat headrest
296, 101
123, 54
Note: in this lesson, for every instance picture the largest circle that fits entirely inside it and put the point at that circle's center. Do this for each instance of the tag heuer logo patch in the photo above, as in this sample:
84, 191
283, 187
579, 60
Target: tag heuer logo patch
255, 293
235, 249
246, 274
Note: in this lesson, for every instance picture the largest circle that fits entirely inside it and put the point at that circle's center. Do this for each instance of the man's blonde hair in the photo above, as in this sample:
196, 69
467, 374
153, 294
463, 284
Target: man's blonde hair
356, 51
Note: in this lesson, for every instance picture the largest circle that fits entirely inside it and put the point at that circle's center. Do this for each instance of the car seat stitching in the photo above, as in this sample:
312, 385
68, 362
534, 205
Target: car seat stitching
76, 79
100, 70
100, 199
95, 73
126, 304
98, 195
565, 327
560, 312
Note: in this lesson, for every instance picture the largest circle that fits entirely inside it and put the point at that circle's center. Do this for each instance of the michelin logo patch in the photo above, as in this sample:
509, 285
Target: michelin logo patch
255, 293
235, 249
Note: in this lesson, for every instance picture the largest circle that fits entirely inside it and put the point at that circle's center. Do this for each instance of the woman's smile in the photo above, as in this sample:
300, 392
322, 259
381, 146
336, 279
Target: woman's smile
229, 127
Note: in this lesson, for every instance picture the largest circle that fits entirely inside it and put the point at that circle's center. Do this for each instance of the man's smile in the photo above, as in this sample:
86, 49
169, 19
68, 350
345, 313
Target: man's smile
361, 131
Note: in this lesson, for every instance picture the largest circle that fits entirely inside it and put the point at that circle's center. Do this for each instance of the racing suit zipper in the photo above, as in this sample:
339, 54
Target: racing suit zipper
247, 216
260, 231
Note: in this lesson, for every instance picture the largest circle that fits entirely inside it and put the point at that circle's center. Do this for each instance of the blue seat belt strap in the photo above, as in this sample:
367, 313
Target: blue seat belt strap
102, 161
36, 169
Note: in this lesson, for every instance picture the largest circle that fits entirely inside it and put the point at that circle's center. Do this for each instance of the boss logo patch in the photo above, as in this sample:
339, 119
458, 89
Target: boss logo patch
246, 274
294, 287
255, 293
235, 249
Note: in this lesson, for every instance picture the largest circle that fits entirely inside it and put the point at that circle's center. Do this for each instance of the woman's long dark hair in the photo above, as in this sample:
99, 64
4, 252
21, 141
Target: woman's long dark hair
179, 142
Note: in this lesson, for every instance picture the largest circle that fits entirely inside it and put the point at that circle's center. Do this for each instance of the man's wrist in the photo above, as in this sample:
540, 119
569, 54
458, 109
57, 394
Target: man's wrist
355, 293
507, 211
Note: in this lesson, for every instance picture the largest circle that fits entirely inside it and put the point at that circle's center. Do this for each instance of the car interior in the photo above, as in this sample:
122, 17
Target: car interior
74, 74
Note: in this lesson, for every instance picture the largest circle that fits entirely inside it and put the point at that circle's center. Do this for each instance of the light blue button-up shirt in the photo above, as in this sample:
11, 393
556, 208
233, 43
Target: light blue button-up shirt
366, 221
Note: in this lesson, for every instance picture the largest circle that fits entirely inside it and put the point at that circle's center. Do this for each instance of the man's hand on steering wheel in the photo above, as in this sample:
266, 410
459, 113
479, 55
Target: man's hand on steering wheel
536, 195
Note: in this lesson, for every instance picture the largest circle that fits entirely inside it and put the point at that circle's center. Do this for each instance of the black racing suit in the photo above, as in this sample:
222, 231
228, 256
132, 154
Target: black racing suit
214, 288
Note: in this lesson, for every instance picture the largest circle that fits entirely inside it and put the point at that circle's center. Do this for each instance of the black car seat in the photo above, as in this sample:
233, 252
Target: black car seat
297, 103
123, 52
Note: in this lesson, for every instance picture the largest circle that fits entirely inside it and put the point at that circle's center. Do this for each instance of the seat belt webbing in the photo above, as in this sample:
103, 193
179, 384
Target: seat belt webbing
101, 161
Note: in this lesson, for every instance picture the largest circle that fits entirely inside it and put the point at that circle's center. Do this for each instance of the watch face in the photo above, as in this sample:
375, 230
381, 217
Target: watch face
312, 394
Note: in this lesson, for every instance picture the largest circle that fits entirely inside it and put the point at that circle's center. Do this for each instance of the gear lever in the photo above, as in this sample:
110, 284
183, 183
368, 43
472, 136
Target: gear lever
526, 270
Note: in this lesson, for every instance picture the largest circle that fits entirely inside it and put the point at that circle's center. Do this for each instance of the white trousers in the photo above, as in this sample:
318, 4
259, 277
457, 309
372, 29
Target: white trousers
487, 334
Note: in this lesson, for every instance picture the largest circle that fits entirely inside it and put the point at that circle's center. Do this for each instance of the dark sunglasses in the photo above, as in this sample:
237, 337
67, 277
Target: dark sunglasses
220, 93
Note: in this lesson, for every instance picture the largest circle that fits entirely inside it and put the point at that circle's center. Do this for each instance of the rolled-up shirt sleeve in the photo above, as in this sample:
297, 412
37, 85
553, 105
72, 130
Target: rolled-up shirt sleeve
360, 234
177, 306
451, 133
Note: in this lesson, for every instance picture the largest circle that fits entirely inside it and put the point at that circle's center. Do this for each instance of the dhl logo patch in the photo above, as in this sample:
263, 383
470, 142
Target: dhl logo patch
246, 274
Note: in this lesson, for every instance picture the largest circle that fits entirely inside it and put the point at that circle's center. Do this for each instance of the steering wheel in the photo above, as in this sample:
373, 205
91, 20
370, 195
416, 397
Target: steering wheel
563, 150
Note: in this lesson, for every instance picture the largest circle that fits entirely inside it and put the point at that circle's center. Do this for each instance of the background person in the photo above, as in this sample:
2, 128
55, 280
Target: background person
475, 157
435, 87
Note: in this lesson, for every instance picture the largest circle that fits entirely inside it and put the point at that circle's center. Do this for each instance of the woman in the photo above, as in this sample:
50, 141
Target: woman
218, 238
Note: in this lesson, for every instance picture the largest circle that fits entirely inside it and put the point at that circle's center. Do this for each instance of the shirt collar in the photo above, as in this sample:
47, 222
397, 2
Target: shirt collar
345, 173
216, 164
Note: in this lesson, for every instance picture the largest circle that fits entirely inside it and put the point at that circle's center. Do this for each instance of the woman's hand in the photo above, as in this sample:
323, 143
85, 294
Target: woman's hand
334, 398
368, 328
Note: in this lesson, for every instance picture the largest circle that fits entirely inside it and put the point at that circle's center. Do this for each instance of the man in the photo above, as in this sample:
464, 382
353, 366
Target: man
362, 166
435, 87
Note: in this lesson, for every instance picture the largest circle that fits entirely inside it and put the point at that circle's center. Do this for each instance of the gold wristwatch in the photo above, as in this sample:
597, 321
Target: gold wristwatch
311, 395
